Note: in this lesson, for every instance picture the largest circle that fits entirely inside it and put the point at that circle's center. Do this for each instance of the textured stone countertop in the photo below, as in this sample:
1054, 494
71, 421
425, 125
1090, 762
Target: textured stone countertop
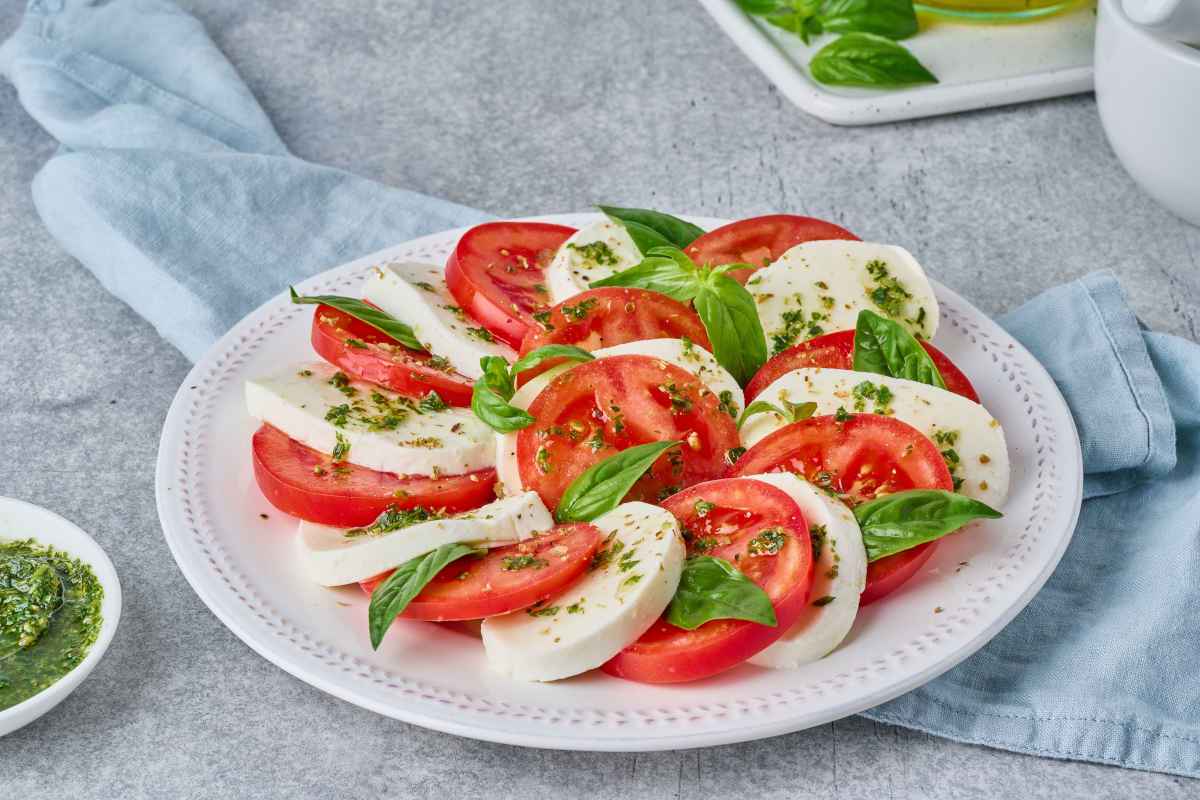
518, 107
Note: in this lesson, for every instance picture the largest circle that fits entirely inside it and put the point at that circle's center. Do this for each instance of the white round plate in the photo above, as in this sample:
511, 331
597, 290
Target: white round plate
243, 567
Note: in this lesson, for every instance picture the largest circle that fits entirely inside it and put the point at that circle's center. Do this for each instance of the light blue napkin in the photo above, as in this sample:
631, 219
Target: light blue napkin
173, 188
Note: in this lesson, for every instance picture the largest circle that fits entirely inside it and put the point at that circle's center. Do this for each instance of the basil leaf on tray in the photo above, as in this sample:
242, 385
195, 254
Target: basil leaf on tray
650, 229
895, 19
865, 59
712, 588
887, 348
658, 273
497, 385
379, 320
791, 412
603, 485
392, 596
897, 522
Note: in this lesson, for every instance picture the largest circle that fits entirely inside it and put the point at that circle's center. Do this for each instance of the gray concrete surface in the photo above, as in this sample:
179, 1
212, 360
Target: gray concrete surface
516, 107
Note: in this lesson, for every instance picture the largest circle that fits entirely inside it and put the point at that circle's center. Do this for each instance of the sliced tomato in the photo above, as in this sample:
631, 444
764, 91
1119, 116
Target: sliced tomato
306, 483
863, 457
611, 316
369, 354
740, 512
836, 351
506, 578
604, 406
496, 273
760, 240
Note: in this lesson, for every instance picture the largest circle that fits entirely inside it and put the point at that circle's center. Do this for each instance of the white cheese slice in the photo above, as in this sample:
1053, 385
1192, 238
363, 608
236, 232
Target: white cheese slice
416, 294
592, 253
605, 611
819, 287
840, 572
954, 423
384, 431
693, 358
330, 557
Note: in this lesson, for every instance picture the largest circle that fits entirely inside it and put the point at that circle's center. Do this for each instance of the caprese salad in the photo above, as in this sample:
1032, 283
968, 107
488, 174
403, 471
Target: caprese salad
637, 446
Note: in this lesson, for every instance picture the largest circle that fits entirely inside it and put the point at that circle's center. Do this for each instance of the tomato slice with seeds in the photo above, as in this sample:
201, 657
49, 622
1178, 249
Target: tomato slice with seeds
760, 240
306, 483
611, 316
506, 579
860, 458
836, 351
497, 274
601, 407
730, 519
369, 354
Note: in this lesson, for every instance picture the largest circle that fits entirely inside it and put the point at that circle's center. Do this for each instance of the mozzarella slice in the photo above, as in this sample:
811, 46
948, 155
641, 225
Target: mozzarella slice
593, 253
840, 572
508, 475
416, 294
693, 358
334, 556
819, 287
315, 404
969, 437
606, 610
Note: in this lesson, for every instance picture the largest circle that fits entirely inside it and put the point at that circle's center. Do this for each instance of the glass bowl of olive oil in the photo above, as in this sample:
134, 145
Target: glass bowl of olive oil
60, 602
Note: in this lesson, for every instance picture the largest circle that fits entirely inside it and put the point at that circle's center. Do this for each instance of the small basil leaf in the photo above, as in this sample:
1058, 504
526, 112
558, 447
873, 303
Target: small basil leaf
670, 230
392, 596
896, 522
864, 59
895, 19
603, 485
712, 588
379, 320
498, 377
547, 352
495, 412
791, 412
731, 319
886, 348
658, 273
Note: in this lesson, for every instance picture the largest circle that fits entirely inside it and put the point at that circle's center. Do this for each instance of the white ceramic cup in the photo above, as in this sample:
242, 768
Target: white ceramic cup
21, 520
1148, 92
1175, 19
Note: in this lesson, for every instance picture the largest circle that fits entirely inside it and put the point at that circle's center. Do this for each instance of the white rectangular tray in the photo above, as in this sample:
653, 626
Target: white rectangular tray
978, 66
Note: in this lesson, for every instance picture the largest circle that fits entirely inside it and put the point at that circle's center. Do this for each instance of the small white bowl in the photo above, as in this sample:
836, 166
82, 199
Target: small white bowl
21, 520
1148, 93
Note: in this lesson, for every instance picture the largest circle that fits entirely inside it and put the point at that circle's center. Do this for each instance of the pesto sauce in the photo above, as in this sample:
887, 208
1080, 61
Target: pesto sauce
49, 617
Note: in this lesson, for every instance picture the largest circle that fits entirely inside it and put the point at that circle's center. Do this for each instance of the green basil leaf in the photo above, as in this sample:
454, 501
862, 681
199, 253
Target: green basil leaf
547, 352
379, 320
490, 396
864, 59
886, 348
666, 228
498, 377
393, 595
895, 19
658, 273
731, 319
603, 486
792, 412
712, 588
896, 522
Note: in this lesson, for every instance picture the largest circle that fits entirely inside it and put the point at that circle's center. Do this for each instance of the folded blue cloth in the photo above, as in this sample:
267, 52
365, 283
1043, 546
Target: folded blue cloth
174, 189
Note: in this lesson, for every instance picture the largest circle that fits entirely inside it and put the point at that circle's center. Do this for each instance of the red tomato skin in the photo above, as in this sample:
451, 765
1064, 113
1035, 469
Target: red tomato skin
450, 598
632, 384
383, 361
667, 654
619, 315
516, 251
887, 574
760, 240
283, 469
836, 351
